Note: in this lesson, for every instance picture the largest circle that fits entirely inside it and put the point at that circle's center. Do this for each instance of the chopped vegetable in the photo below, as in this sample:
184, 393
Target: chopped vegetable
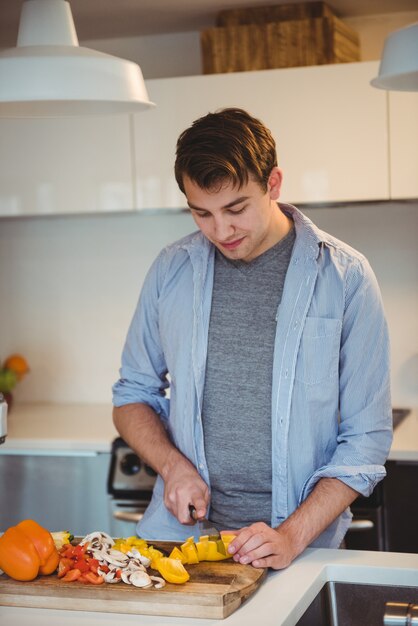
206, 549
172, 570
27, 550
190, 552
76, 563
98, 560
61, 537
177, 554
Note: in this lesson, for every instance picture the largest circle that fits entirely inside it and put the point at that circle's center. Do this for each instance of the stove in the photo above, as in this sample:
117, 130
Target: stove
129, 485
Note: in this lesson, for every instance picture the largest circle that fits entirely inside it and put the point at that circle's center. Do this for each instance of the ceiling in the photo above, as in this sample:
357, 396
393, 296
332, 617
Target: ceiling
103, 19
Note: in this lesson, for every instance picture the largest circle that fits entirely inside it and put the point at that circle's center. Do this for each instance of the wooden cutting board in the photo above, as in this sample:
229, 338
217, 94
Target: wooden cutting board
215, 590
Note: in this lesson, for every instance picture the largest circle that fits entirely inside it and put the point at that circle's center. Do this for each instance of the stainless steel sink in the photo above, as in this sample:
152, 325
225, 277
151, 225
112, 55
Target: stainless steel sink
346, 604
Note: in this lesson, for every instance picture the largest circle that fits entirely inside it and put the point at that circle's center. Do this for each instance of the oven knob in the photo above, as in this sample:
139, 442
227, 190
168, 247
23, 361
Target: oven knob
150, 471
130, 464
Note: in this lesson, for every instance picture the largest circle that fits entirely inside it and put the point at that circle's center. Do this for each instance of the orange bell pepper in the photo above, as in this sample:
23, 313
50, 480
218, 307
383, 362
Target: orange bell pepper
27, 550
44, 544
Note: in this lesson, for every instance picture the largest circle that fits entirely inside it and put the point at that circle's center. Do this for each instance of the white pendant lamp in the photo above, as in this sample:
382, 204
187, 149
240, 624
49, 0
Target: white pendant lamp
49, 75
398, 69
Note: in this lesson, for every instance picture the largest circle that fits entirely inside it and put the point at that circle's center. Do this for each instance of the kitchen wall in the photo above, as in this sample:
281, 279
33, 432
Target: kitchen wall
69, 286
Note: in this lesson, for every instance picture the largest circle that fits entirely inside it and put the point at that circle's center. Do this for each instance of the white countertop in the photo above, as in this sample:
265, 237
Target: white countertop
65, 428
280, 601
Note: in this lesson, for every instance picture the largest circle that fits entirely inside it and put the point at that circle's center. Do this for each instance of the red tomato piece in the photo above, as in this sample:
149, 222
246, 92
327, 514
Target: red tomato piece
93, 578
67, 552
83, 579
73, 574
79, 550
64, 566
82, 565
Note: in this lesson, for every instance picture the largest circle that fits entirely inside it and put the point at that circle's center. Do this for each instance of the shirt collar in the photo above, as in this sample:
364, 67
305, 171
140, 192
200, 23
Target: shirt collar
308, 236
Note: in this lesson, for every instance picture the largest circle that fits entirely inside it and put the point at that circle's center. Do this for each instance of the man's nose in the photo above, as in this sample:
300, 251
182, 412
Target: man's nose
224, 228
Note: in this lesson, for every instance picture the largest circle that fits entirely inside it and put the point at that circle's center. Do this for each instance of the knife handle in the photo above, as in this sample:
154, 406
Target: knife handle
192, 512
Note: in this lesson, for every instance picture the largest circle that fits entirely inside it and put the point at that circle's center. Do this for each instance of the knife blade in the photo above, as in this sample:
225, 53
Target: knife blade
204, 525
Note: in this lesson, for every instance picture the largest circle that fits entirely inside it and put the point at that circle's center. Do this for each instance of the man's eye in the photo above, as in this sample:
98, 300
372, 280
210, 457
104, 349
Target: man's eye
238, 211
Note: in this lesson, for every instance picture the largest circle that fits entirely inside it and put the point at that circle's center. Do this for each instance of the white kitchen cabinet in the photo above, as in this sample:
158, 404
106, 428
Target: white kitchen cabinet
403, 142
67, 165
330, 126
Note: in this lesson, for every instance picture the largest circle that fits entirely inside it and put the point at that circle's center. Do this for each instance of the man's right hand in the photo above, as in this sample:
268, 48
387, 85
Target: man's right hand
183, 486
140, 426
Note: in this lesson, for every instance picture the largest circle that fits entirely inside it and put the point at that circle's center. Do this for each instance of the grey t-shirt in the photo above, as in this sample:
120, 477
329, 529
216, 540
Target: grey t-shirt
237, 393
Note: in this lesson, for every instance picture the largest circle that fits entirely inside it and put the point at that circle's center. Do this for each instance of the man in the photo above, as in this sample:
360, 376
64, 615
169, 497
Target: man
273, 338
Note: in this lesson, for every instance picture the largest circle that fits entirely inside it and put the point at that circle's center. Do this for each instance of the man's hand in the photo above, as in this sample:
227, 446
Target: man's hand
142, 429
184, 486
262, 546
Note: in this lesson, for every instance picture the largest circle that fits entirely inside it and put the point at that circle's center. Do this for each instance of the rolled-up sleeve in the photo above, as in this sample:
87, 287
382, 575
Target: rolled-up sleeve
143, 375
365, 426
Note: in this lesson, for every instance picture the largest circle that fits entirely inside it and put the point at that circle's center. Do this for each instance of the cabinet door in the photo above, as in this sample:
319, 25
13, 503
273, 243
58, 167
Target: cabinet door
58, 491
330, 126
401, 506
403, 138
70, 165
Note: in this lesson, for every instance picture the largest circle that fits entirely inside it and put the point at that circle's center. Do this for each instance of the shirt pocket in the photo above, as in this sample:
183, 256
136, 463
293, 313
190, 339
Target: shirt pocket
319, 350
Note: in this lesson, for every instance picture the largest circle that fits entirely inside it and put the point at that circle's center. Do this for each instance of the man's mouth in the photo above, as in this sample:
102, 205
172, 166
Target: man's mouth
231, 245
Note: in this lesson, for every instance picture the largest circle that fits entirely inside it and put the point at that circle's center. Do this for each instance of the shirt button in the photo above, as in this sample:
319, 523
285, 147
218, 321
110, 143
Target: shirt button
201, 466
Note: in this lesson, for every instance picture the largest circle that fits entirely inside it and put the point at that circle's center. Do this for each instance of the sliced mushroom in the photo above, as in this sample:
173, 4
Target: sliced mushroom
110, 577
135, 565
159, 582
98, 536
118, 553
90, 537
98, 554
144, 559
140, 579
126, 577
132, 565
114, 561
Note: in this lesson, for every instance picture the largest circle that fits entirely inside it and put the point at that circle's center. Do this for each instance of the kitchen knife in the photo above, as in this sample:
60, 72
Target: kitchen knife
204, 525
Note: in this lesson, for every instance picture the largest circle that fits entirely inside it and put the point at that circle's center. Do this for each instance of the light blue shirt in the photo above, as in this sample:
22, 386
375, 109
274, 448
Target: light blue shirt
331, 409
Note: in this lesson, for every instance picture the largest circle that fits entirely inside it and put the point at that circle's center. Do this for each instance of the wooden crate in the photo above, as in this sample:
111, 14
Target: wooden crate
289, 43
275, 13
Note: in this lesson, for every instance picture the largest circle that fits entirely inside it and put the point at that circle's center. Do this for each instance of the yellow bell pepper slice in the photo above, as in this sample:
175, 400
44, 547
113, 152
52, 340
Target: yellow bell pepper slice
227, 538
190, 552
172, 570
202, 550
177, 554
214, 554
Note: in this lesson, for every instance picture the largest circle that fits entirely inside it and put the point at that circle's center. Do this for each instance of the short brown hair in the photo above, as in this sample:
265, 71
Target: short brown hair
228, 145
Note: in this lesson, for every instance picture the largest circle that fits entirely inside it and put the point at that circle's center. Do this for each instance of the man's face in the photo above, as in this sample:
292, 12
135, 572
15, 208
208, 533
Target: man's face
242, 223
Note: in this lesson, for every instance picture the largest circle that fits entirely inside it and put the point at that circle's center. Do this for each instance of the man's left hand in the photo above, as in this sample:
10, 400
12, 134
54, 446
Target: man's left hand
262, 546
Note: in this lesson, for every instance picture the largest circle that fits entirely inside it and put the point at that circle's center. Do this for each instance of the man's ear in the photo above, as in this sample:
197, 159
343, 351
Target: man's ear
274, 183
